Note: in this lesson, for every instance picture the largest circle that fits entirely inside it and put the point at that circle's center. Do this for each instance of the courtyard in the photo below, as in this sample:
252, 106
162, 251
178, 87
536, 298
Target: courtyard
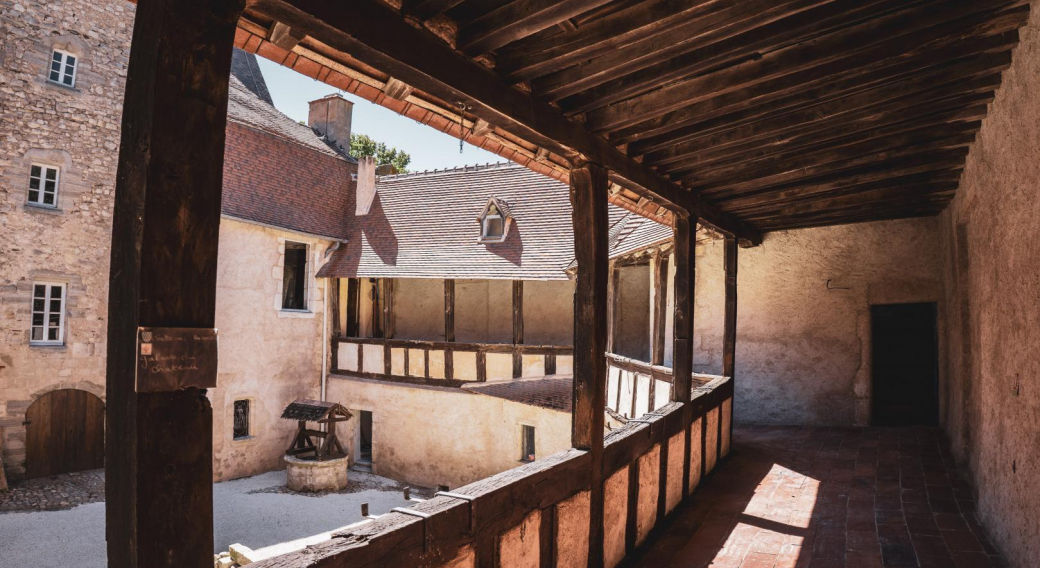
255, 511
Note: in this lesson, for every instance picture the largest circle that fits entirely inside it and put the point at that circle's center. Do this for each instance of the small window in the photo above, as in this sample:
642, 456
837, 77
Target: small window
294, 277
43, 185
63, 68
48, 314
494, 225
241, 427
527, 443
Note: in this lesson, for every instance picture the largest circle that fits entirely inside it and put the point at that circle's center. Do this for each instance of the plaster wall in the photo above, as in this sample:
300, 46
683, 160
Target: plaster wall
483, 311
419, 309
633, 325
75, 129
803, 315
268, 356
992, 275
549, 312
434, 436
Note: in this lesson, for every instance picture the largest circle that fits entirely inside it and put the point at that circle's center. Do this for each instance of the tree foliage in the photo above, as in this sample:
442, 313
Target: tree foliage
361, 146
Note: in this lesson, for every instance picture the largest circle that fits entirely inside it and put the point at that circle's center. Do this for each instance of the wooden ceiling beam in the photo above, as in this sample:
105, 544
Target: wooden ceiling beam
850, 51
376, 35
731, 17
740, 47
844, 138
789, 94
636, 22
516, 20
774, 200
869, 199
874, 105
423, 10
827, 163
860, 216
841, 45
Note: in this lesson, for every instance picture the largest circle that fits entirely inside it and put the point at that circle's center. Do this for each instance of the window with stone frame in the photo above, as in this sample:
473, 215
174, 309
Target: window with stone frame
48, 314
240, 428
527, 451
43, 185
495, 220
63, 68
494, 224
294, 277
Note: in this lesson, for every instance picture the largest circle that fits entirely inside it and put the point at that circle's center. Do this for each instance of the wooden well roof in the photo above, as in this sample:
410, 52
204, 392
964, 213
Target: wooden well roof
758, 115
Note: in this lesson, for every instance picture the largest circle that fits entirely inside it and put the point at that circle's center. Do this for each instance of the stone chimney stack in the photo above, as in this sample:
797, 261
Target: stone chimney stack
366, 185
331, 117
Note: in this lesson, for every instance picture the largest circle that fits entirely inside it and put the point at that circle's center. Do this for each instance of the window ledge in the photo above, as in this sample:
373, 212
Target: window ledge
243, 439
491, 240
47, 346
46, 209
73, 88
306, 314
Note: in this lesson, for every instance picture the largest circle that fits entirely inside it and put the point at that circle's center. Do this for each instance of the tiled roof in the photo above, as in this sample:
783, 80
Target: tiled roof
278, 172
245, 68
424, 225
554, 393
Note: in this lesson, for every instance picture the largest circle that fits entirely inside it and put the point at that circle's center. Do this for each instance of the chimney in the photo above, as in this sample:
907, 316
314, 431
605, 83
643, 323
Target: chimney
366, 185
331, 116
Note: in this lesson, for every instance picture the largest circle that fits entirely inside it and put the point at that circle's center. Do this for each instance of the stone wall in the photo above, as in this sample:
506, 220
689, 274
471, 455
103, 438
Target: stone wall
992, 273
268, 356
803, 315
77, 130
434, 436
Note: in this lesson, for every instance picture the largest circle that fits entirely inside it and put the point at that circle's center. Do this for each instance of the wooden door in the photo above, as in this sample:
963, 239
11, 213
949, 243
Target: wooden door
65, 432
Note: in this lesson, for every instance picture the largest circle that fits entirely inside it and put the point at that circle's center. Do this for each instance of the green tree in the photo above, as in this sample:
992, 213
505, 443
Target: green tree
362, 146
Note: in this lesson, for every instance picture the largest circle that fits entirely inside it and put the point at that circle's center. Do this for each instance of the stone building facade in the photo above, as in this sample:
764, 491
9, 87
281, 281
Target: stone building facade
276, 172
74, 129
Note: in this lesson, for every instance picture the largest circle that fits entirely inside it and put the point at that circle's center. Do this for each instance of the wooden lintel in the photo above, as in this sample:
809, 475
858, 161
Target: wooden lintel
397, 89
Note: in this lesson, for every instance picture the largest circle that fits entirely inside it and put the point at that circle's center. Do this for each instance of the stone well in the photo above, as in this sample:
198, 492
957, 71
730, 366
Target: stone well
314, 476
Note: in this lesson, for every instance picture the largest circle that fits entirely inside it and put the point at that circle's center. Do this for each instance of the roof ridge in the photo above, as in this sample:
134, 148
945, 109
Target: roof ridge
457, 169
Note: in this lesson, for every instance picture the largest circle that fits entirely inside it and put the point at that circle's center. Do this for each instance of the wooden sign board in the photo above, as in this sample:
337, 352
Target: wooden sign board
174, 358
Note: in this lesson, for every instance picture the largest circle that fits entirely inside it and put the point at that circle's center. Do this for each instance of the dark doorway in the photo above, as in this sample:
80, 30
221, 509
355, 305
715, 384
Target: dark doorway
365, 454
905, 365
65, 432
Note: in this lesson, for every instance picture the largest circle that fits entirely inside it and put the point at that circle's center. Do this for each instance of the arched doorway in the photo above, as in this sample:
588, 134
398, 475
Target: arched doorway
65, 432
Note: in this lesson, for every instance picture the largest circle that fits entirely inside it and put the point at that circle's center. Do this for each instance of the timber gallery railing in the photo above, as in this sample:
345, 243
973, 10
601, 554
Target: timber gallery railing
447, 363
636, 387
538, 513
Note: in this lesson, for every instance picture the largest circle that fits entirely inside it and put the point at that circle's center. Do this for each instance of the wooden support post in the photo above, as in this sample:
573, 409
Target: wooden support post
729, 344
682, 348
159, 447
332, 289
518, 327
589, 185
387, 315
660, 284
449, 328
613, 301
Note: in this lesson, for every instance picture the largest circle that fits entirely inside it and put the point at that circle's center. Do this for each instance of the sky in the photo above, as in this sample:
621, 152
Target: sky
429, 148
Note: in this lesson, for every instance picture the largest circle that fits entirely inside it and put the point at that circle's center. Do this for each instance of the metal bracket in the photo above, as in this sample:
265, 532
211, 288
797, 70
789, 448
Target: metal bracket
469, 501
421, 515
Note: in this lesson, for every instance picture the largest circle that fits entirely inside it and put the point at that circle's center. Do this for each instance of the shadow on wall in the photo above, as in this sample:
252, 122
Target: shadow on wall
511, 249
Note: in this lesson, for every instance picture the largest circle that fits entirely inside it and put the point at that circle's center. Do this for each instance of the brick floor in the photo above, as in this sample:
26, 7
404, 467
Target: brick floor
793, 497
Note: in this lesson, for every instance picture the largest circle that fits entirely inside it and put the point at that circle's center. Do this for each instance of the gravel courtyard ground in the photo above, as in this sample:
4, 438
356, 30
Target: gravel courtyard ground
254, 511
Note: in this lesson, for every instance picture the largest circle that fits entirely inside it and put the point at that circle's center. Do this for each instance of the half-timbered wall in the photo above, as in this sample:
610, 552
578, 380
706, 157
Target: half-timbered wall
549, 312
483, 311
632, 329
418, 309
992, 272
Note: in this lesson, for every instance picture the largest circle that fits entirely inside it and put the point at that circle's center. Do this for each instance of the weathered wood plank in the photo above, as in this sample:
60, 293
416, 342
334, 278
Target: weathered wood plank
684, 283
517, 19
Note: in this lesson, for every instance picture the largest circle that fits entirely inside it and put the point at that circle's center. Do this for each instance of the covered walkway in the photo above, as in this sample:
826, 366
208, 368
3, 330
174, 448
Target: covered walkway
792, 497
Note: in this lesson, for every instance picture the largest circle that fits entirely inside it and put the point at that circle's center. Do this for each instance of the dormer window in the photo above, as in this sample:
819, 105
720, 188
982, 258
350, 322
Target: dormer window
63, 68
495, 221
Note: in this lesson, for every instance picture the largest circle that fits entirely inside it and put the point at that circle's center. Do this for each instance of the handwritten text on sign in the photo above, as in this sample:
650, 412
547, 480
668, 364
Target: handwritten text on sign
173, 358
